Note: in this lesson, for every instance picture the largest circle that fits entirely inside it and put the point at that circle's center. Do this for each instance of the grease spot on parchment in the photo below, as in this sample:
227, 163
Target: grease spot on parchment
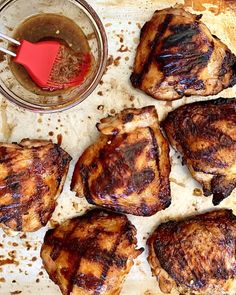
7, 127
115, 2
177, 182
2, 56
197, 192
8, 261
215, 6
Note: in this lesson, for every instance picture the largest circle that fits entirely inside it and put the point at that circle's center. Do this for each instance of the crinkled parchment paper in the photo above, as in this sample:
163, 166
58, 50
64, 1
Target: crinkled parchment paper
21, 270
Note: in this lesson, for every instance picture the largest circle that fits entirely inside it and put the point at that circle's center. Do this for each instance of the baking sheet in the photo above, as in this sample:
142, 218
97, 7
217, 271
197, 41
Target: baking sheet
21, 270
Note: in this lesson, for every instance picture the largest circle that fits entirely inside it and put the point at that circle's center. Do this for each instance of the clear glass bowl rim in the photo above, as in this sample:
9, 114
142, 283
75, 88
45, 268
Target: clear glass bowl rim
100, 71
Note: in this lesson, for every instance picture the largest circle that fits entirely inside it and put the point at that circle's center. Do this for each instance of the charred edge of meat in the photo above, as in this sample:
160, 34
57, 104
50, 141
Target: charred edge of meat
135, 78
164, 194
199, 16
141, 210
233, 79
229, 61
217, 101
208, 216
84, 172
221, 188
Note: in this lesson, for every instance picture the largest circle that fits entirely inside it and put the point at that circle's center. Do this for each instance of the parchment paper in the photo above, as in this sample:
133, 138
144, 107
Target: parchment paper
23, 273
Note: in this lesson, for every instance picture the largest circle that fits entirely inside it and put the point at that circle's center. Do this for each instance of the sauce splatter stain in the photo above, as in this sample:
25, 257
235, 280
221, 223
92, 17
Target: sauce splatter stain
215, 6
9, 29
197, 192
110, 61
176, 182
59, 139
91, 36
2, 56
117, 61
168, 103
8, 261
123, 48
121, 37
7, 128
100, 107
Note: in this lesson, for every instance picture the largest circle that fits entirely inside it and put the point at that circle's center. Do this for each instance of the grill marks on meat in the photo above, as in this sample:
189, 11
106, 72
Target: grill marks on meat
116, 164
137, 78
32, 175
127, 170
189, 56
91, 254
196, 255
178, 56
205, 134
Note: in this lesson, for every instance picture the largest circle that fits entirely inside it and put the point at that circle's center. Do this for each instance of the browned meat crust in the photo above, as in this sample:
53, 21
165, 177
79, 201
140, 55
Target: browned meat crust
32, 175
178, 56
196, 255
205, 134
127, 169
91, 254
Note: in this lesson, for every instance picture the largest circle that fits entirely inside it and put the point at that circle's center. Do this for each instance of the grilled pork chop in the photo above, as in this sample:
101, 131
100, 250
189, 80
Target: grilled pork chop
32, 175
205, 134
178, 56
127, 169
91, 254
196, 255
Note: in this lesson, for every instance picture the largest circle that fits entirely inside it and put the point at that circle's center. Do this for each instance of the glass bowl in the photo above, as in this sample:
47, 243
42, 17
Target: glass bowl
14, 12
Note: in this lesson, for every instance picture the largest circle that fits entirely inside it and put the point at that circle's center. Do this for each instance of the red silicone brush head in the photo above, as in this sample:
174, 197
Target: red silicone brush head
38, 59
69, 72
53, 65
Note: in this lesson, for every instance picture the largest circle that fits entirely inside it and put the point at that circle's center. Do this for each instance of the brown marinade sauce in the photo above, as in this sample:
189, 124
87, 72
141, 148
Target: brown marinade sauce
48, 26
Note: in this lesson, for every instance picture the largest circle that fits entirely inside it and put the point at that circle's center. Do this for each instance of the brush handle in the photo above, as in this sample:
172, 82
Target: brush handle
2, 36
7, 51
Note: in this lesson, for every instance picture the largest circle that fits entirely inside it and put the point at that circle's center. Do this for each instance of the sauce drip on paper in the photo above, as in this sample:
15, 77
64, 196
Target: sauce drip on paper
215, 6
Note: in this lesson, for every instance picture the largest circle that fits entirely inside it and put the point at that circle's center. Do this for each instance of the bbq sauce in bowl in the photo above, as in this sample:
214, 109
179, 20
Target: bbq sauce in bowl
74, 50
